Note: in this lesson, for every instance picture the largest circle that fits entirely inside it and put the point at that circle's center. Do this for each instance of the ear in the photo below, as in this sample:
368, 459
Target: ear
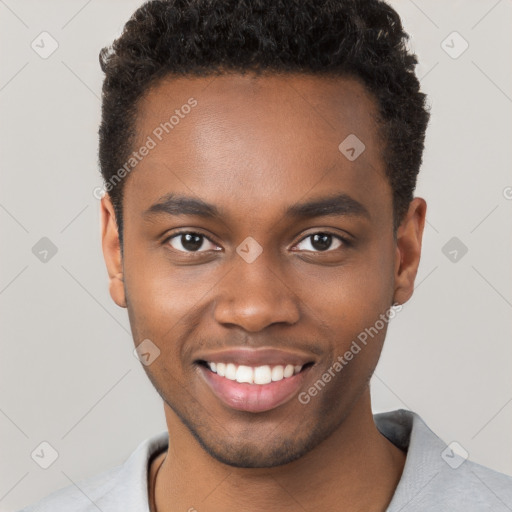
408, 250
112, 251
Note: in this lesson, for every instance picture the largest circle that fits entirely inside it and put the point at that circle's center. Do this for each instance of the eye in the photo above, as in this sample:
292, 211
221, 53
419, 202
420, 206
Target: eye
321, 242
190, 242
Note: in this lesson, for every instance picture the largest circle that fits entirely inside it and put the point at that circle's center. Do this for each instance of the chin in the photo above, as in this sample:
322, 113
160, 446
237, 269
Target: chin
241, 453
255, 457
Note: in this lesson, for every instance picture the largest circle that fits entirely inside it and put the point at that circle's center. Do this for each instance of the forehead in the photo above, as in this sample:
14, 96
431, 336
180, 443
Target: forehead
328, 103
257, 139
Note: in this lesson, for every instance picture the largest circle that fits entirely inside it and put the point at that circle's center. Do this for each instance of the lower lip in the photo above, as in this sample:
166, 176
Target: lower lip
253, 397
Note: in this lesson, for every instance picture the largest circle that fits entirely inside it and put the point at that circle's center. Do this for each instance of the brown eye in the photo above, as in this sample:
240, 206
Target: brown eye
320, 242
190, 242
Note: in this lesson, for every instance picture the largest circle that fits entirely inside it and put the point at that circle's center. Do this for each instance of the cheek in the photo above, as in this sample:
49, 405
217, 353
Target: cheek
153, 286
165, 303
351, 296
349, 302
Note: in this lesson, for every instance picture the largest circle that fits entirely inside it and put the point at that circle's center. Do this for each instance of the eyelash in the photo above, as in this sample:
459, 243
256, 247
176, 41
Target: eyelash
343, 240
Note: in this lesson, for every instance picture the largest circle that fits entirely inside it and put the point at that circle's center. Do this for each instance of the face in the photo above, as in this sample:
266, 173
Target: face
251, 239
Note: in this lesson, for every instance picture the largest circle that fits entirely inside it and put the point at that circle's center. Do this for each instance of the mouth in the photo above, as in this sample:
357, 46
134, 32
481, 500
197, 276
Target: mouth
250, 388
258, 375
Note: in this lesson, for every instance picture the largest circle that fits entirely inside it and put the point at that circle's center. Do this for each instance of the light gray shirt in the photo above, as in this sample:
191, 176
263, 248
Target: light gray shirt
436, 477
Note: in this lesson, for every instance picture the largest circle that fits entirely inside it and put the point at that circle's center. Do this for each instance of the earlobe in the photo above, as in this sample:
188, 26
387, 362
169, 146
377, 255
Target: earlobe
116, 289
408, 250
112, 251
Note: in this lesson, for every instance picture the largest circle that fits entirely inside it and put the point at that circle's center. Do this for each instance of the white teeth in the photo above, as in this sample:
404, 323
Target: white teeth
254, 375
244, 374
288, 370
277, 373
262, 375
230, 371
221, 369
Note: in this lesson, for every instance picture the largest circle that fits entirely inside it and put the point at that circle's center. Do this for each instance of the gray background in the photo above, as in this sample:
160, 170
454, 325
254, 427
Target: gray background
68, 374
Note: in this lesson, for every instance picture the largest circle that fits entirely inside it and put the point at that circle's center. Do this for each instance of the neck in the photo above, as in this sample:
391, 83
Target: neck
356, 466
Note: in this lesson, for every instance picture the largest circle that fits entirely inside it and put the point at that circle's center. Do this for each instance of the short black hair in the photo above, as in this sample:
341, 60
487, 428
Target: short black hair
363, 39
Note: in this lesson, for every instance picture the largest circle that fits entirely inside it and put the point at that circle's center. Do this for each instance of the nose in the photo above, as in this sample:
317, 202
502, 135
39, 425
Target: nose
254, 296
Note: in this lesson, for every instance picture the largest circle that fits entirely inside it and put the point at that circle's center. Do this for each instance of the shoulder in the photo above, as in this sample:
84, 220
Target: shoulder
83, 496
468, 487
123, 487
439, 476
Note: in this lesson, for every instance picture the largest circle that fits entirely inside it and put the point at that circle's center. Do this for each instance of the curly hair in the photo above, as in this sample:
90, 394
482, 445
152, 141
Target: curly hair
363, 39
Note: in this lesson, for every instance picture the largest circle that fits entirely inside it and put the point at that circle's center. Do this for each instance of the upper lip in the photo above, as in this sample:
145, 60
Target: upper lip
256, 357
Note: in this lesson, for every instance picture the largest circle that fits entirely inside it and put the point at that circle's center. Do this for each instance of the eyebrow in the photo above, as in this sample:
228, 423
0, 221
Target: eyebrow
172, 204
339, 205
335, 205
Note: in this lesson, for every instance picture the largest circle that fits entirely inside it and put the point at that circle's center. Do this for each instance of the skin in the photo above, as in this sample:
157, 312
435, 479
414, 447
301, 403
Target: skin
253, 146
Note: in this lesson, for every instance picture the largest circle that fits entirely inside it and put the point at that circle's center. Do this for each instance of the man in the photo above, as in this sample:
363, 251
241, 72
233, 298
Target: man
260, 227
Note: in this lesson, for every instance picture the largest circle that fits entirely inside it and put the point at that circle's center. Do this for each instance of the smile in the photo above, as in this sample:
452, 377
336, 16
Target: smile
253, 389
258, 375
